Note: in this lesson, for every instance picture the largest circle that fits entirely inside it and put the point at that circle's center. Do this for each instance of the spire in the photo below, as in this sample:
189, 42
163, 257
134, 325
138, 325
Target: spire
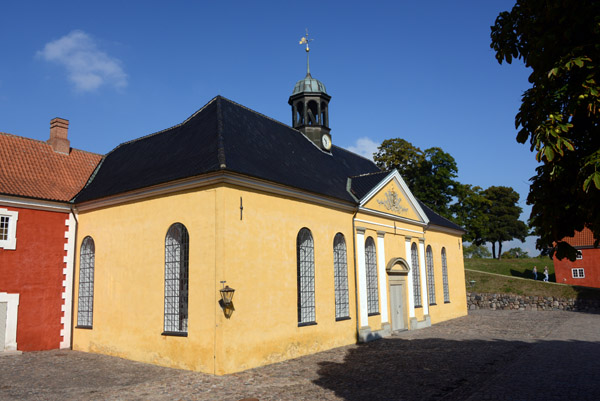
306, 40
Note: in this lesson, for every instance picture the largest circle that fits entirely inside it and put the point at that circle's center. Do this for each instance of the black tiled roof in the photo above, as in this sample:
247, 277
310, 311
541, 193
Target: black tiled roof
363, 184
438, 220
225, 136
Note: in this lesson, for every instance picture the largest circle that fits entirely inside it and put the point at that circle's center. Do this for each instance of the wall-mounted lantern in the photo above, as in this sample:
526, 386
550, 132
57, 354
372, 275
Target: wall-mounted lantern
227, 294
226, 301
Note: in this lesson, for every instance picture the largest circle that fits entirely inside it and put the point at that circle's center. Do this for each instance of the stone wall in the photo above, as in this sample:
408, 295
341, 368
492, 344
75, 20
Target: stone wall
528, 302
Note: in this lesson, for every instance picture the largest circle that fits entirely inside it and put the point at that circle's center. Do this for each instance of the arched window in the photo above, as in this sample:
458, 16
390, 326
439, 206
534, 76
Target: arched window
340, 276
85, 304
430, 276
414, 257
176, 279
306, 277
371, 265
445, 276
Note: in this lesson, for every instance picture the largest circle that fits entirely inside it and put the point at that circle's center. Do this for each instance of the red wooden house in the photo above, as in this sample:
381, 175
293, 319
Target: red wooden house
585, 270
37, 235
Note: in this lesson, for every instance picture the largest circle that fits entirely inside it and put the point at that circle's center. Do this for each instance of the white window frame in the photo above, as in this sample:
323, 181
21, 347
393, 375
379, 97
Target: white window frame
372, 280
579, 255
578, 272
11, 242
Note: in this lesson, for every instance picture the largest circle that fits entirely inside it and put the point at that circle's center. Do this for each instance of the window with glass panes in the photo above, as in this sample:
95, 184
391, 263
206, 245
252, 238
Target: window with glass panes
85, 303
306, 277
176, 279
430, 276
340, 275
371, 266
445, 276
414, 258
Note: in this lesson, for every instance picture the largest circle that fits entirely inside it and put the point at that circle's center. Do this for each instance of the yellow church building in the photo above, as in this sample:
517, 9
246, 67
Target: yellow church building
232, 241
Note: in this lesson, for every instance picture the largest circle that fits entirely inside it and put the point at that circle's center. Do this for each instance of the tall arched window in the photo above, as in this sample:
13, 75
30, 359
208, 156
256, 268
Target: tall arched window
371, 265
340, 275
85, 304
430, 276
414, 257
306, 277
176, 279
445, 276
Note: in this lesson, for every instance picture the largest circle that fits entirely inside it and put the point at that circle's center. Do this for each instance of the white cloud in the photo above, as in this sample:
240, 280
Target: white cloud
364, 147
88, 68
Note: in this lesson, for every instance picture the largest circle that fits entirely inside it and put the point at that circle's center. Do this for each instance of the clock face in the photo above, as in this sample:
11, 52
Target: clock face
326, 141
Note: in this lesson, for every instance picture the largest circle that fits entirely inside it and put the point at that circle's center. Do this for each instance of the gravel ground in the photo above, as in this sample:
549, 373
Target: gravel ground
487, 355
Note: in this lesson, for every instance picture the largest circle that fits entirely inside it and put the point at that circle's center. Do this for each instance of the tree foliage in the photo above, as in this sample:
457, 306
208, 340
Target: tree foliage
515, 253
560, 114
430, 174
503, 213
476, 251
470, 211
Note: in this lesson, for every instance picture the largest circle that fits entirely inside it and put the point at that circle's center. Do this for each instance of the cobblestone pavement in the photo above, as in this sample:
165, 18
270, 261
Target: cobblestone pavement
488, 355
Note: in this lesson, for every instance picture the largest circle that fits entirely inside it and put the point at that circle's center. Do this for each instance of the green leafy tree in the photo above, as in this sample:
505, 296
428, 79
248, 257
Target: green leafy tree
430, 174
476, 251
470, 211
560, 114
503, 213
515, 253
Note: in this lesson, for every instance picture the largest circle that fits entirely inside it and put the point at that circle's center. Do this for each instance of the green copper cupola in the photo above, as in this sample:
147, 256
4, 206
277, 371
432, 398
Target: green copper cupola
310, 106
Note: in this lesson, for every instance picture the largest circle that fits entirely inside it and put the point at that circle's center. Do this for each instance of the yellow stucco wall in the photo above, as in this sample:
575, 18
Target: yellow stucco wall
129, 280
256, 255
456, 276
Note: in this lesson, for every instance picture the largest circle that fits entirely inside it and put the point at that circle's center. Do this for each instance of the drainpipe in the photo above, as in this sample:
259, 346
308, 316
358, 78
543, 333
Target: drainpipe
73, 278
355, 273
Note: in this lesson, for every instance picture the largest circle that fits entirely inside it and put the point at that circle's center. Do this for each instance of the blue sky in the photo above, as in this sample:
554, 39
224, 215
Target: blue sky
422, 71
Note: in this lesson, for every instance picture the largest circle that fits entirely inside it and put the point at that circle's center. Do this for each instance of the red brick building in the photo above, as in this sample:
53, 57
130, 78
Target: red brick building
37, 236
585, 270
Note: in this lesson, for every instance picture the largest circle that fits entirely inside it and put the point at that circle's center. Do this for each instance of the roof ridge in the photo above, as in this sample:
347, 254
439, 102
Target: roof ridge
166, 129
46, 143
368, 174
276, 121
349, 151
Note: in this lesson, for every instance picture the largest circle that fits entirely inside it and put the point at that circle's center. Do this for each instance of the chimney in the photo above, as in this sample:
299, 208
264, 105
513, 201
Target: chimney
59, 128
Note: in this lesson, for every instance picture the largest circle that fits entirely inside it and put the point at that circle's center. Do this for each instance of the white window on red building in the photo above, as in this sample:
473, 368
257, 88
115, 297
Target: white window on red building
8, 229
578, 272
579, 255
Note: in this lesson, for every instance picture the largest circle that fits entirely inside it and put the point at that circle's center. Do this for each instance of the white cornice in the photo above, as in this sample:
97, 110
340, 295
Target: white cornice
37, 204
213, 179
390, 216
389, 226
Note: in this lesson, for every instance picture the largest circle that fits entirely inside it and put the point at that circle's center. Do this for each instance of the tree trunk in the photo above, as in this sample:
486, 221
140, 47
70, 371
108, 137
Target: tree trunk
493, 250
499, 249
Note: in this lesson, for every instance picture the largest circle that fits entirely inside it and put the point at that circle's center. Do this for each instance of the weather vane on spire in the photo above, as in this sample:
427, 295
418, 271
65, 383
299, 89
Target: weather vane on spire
306, 40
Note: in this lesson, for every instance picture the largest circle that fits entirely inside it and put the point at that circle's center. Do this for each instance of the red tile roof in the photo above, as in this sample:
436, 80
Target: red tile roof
32, 169
581, 238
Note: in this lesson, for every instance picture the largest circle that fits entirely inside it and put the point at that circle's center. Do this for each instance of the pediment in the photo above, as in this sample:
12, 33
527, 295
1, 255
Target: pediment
392, 197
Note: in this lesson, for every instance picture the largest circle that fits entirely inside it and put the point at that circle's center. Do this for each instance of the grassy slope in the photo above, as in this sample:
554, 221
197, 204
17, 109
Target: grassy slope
519, 279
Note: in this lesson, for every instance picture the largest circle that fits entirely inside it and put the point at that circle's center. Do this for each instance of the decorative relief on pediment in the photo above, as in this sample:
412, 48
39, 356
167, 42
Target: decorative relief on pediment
392, 202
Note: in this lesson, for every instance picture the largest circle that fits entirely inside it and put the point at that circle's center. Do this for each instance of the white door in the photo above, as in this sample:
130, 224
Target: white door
397, 300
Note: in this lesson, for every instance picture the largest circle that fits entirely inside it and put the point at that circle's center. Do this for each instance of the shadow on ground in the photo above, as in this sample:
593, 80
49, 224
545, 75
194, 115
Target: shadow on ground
429, 369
